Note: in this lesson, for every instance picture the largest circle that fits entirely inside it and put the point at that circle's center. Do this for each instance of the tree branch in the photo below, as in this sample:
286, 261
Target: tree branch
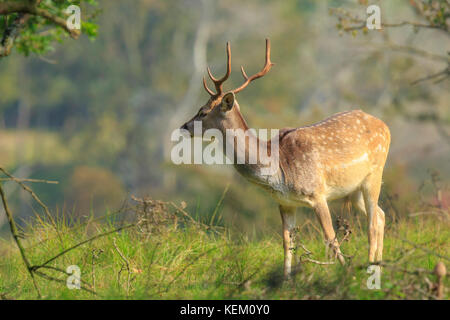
363, 24
441, 75
74, 33
13, 7
31, 7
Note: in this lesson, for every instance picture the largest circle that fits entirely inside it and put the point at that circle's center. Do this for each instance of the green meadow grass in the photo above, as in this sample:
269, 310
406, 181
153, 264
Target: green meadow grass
191, 261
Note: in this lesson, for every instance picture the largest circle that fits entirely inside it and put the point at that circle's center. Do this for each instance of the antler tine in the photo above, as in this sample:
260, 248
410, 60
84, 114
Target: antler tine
243, 73
266, 69
218, 83
211, 93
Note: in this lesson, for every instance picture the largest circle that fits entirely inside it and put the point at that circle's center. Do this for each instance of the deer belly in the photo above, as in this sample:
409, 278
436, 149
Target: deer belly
287, 197
292, 199
342, 180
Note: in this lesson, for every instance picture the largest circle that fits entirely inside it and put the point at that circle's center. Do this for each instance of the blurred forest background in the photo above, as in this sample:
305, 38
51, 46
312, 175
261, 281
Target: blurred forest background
97, 115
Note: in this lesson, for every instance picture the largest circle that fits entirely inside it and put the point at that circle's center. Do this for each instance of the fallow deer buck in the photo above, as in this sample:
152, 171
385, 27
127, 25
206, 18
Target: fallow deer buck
342, 156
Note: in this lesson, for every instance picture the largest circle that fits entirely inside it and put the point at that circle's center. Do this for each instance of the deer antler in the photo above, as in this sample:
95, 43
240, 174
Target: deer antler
218, 83
266, 69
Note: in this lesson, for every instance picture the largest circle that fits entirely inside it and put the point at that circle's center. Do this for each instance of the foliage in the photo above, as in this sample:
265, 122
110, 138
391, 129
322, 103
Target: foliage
32, 26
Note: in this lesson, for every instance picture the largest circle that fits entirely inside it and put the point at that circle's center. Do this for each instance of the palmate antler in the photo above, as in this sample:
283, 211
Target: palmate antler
218, 83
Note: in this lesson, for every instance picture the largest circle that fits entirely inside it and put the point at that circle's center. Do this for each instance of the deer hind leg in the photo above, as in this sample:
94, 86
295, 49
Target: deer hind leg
380, 234
358, 203
288, 221
323, 214
375, 216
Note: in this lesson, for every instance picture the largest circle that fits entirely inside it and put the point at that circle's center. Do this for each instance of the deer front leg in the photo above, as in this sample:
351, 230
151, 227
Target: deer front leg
323, 214
288, 222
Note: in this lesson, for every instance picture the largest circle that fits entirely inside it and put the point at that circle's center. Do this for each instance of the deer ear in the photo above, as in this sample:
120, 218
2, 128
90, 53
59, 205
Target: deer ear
227, 102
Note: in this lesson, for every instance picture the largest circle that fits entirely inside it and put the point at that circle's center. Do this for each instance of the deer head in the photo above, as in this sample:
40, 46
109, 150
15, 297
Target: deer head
221, 111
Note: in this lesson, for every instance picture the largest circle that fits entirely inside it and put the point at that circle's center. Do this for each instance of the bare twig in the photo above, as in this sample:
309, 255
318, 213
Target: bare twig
80, 244
95, 255
361, 24
318, 262
441, 75
30, 180
127, 265
416, 51
305, 256
48, 277
16, 237
36, 198
66, 273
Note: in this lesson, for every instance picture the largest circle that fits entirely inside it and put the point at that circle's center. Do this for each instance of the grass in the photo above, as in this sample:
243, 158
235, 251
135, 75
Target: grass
182, 259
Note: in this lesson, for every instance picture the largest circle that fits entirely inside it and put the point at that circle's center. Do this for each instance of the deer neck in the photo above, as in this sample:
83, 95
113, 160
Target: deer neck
243, 147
